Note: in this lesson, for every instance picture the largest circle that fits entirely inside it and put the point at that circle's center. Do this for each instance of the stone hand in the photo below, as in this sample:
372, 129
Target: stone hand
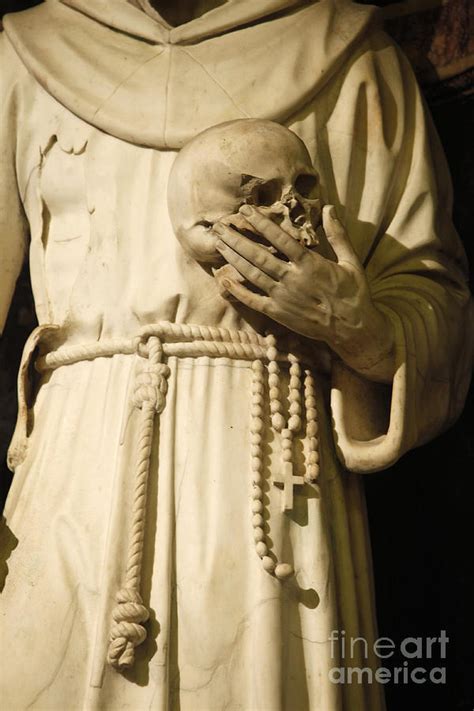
309, 294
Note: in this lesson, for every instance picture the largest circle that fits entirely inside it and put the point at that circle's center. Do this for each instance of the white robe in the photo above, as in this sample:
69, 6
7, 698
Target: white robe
104, 262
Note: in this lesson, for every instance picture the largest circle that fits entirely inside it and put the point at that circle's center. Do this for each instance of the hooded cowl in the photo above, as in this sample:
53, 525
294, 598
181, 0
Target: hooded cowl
153, 85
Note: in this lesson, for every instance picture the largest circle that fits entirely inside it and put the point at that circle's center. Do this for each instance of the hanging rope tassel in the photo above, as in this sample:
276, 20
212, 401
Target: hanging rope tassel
130, 613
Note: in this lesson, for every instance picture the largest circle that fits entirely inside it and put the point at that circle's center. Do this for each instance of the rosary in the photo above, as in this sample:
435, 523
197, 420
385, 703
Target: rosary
285, 478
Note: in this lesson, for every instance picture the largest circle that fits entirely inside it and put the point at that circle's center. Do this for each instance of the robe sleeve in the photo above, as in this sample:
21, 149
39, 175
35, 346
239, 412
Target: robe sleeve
13, 223
416, 269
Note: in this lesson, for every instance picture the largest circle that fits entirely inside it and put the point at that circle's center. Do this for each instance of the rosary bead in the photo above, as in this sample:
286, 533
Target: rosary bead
273, 380
286, 441
287, 455
278, 421
311, 413
256, 424
312, 428
256, 464
258, 388
284, 571
274, 393
295, 383
295, 408
257, 506
313, 443
295, 370
310, 401
256, 437
294, 423
257, 399
255, 450
257, 520
314, 457
257, 478
272, 355
256, 411
268, 564
313, 472
258, 535
275, 406
261, 549
257, 366
257, 492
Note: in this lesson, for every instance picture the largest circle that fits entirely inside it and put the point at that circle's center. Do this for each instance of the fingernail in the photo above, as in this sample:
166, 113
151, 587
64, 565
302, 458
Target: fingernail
226, 283
245, 210
218, 227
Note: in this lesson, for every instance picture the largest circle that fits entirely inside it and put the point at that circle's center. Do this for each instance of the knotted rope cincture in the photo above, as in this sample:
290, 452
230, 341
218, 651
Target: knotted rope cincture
149, 397
183, 340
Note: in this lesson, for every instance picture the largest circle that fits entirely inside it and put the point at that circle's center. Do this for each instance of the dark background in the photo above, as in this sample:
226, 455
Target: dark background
421, 511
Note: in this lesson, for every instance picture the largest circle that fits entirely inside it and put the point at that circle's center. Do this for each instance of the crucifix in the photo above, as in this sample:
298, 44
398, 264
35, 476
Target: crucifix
286, 480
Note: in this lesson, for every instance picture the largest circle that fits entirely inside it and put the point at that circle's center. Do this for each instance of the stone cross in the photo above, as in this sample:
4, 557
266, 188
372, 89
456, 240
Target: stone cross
286, 480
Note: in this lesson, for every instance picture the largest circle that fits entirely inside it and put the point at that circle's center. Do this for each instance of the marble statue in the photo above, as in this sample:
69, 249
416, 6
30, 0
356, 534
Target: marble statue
249, 292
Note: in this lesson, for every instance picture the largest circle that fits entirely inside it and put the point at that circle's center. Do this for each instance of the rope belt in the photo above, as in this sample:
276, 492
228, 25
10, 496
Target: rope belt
153, 343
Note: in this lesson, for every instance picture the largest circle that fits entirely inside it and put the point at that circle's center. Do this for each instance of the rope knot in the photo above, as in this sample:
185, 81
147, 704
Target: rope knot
127, 632
151, 382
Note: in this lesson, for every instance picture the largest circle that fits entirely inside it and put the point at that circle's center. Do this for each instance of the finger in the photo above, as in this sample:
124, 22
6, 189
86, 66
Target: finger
252, 273
273, 233
253, 253
337, 237
257, 302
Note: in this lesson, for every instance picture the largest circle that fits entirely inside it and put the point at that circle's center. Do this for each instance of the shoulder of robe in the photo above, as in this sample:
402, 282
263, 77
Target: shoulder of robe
378, 56
14, 83
389, 66
21, 97
376, 94
13, 70
30, 114
387, 51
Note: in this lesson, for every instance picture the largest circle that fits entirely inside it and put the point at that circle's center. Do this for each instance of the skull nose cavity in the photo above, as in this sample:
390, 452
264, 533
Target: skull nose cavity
297, 213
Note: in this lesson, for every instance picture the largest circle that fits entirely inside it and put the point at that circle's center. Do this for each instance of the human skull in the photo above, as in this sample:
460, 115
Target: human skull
247, 161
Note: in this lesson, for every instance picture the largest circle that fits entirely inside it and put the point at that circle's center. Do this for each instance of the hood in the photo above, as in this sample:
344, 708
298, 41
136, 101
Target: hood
122, 15
130, 74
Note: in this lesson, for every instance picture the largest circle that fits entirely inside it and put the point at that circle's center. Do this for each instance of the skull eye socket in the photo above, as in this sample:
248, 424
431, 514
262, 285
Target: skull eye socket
266, 194
306, 185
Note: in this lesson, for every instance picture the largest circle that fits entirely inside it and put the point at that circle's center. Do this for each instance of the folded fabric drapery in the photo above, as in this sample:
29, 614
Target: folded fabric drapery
152, 344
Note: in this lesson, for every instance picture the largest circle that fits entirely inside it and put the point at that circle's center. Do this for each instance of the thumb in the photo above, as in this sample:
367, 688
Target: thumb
337, 237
